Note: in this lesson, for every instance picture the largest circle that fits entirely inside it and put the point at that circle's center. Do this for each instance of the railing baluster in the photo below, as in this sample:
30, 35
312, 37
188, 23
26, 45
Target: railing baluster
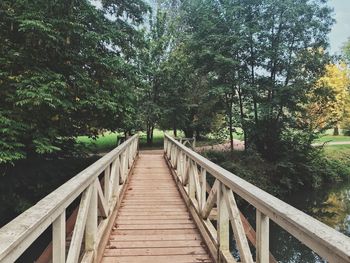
116, 175
59, 239
130, 157
107, 183
222, 222
191, 181
123, 167
203, 187
75, 245
262, 238
91, 223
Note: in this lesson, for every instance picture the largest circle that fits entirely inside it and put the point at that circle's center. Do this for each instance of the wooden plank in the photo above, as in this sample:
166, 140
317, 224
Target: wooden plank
171, 206
154, 209
155, 227
151, 251
153, 221
142, 213
155, 243
133, 221
159, 259
155, 217
156, 237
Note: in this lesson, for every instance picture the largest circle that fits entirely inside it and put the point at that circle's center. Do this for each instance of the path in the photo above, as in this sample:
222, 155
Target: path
153, 223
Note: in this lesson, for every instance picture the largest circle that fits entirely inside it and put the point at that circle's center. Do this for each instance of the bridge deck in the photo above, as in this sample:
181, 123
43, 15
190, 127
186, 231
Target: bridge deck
153, 223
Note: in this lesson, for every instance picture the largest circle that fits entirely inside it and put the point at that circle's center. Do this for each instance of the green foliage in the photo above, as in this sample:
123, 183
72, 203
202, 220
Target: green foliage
66, 69
290, 174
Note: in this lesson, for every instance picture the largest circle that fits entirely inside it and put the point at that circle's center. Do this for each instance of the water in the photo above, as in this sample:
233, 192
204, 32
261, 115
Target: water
331, 206
28, 182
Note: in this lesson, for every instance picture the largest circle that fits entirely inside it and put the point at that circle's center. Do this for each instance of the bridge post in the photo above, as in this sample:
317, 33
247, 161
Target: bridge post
223, 222
262, 238
59, 239
107, 183
203, 188
116, 175
191, 182
91, 222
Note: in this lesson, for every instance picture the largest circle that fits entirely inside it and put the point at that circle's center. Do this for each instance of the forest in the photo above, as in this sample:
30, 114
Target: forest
201, 68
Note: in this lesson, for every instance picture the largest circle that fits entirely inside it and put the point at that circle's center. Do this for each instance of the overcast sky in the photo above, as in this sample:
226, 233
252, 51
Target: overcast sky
341, 30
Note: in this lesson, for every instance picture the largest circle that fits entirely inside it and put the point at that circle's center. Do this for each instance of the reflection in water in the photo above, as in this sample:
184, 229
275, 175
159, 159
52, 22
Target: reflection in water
330, 206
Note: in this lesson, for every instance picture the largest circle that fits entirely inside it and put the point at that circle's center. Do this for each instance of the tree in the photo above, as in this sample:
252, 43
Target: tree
65, 70
151, 59
335, 106
185, 100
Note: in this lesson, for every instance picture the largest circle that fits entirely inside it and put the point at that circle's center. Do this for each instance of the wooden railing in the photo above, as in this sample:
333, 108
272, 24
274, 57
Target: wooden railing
191, 142
98, 187
190, 171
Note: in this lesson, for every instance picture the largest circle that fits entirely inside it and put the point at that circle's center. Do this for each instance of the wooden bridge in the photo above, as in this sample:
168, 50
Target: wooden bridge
155, 206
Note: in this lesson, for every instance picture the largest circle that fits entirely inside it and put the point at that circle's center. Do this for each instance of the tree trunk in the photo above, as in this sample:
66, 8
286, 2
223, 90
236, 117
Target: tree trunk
198, 135
189, 133
230, 124
149, 134
175, 130
336, 130
241, 110
152, 129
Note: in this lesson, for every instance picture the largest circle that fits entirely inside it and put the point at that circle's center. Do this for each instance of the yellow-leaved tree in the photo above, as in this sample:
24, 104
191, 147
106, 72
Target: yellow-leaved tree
330, 99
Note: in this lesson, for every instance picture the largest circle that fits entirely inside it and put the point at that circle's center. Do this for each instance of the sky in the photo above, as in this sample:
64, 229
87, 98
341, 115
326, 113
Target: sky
341, 30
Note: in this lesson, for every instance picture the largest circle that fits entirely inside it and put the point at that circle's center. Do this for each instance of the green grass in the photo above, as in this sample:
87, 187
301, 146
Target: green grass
332, 138
158, 138
338, 152
103, 143
108, 141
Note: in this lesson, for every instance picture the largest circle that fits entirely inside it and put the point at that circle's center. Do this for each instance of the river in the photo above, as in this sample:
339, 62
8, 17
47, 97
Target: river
329, 205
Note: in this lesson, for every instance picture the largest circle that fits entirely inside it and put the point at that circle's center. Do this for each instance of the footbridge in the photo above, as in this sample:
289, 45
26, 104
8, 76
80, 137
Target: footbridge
161, 206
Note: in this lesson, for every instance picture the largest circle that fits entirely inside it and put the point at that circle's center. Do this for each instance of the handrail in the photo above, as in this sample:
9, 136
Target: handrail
96, 205
322, 239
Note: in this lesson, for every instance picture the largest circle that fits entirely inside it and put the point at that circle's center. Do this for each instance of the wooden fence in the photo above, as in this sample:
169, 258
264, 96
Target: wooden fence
98, 187
190, 170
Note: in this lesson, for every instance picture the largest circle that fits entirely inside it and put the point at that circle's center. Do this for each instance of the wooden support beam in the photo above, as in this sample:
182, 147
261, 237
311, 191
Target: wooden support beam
212, 199
59, 239
78, 233
91, 221
262, 238
237, 226
102, 204
223, 222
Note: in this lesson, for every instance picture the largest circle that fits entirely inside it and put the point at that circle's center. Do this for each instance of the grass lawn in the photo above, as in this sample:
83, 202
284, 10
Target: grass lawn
108, 141
103, 143
338, 152
332, 138
158, 138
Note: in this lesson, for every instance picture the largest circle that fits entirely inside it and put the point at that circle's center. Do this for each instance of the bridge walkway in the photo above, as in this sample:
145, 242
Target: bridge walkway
153, 223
